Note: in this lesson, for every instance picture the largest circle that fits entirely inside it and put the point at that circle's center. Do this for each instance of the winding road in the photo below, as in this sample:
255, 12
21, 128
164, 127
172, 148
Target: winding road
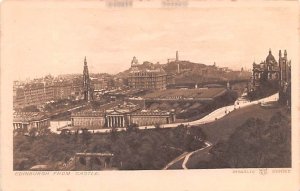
215, 115
187, 157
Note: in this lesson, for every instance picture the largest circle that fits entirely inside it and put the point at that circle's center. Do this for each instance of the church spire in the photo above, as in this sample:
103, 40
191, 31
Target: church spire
87, 89
280, 54
285, 54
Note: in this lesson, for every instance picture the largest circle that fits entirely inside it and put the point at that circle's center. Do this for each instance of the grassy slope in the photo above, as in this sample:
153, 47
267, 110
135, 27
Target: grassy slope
223, 128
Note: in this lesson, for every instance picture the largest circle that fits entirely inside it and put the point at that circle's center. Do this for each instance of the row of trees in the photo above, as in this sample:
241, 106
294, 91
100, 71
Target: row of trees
266, 88
255, 144
133, 149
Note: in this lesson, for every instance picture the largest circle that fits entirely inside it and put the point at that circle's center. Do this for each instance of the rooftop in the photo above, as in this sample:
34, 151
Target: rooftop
185, 93
151, 112
28, 116
147, 67
88, 113
126, 107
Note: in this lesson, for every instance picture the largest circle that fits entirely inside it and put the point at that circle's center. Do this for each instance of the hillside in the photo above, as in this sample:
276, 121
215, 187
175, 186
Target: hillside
245, 139
185, 72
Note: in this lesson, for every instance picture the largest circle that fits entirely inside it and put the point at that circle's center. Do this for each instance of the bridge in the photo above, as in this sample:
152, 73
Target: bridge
93, 161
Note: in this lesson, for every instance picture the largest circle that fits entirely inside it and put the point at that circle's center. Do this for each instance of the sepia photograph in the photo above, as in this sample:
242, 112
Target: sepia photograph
137, 86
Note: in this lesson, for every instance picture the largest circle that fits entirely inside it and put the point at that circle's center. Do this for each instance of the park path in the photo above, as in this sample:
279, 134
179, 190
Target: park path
187, 157
183, 155
215, 115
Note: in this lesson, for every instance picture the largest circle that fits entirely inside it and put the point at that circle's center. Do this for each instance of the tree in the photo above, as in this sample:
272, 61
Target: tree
157, 126
256, 144
113, 134
32, 132
132, 127
30, 108
86, 136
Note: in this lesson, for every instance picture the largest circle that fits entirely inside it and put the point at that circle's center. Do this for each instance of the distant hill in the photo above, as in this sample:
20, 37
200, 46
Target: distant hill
190, 72
184, 72
172, 67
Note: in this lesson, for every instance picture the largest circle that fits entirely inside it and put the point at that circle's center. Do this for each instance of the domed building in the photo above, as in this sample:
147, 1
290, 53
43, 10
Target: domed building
271, 59
271, 70
146, 76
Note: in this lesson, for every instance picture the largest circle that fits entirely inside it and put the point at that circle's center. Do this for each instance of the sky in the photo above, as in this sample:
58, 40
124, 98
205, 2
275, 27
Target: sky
40, 38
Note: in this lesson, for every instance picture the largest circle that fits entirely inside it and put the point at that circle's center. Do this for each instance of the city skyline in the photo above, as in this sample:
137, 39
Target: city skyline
62, 36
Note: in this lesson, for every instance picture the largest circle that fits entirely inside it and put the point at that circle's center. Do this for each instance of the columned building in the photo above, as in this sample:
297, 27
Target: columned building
25, 121
120, 116
148, 117
91, 119
116, 119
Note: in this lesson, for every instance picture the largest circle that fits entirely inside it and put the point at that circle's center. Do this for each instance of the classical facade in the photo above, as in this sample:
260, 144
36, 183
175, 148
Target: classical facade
91, 119
148, 117
271, 70
146, 76
120, 116
25, 121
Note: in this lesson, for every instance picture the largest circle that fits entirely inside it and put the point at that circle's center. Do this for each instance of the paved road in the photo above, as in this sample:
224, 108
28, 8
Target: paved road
183, 155
223, 111
187, 157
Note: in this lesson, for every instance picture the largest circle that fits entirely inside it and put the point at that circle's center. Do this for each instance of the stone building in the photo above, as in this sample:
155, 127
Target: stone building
120, 116
100, 84
272, 71
18, 96
147, 76
91, 119
62, 90
40, 93
25, 121
148, 117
